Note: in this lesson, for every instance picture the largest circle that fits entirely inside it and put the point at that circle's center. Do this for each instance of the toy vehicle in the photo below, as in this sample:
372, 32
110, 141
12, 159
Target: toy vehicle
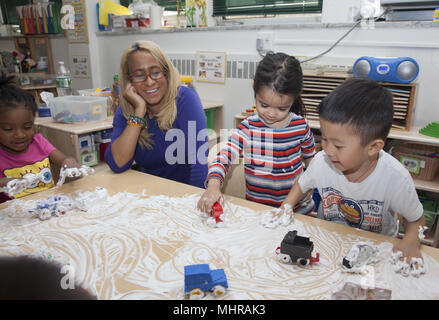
214, 219
360, 255
57, 205
217, 211
199, 279
297, 249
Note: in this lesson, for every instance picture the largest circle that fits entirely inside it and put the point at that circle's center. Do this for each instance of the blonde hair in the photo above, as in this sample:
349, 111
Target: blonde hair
168, 105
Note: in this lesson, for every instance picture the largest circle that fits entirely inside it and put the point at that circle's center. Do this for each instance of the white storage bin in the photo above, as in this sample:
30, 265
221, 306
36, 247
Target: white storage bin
74, 109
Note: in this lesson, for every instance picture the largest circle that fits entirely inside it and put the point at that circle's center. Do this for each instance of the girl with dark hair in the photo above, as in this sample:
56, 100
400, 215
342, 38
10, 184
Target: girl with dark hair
24, 154
276, 141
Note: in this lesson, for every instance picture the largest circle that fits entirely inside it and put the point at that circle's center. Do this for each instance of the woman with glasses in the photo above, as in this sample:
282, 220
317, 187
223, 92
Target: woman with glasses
160, 124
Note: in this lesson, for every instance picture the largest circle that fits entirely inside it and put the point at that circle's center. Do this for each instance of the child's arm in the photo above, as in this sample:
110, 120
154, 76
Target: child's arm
294, 196
410, 243
60, 159
307, 162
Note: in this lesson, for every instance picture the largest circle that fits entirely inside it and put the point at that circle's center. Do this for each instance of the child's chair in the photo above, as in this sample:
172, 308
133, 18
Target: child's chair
234, 184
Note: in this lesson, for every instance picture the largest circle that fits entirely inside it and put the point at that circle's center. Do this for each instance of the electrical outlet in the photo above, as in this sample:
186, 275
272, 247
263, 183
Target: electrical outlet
264, 41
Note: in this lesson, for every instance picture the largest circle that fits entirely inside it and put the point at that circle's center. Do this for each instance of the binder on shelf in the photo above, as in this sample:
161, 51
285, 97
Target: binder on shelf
37, 19
49, 18
20, 13
56, 17
30, 19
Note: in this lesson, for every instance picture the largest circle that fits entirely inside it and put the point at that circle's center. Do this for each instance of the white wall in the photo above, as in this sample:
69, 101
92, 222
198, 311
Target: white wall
60, 51
419, 41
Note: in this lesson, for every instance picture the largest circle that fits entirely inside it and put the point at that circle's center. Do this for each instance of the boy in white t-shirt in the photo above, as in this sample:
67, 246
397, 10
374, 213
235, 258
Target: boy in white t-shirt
360, 184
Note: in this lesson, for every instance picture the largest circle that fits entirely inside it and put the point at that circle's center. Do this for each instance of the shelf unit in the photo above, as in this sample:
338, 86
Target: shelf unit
38, 46
318, 85
36, 90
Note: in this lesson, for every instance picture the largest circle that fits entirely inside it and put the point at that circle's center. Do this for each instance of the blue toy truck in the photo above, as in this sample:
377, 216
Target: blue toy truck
199, 279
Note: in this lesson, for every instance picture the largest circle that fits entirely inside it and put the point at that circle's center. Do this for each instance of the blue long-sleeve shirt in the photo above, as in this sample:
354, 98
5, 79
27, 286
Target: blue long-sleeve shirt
179, 154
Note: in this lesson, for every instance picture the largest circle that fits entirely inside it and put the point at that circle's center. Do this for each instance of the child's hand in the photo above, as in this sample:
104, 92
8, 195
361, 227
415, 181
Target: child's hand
70, 162
408, 258
284, 208
279, 216
210, 196
15, 186
73, 173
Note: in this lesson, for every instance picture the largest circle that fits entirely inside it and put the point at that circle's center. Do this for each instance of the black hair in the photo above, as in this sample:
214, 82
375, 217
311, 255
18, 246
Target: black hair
24, 277
284, 74
362, 103
12, 96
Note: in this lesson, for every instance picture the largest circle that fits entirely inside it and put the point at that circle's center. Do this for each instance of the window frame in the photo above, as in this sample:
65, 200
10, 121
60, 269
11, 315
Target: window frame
266, 7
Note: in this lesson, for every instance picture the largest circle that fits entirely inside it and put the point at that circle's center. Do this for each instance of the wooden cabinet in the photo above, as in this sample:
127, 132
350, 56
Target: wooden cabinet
37, 47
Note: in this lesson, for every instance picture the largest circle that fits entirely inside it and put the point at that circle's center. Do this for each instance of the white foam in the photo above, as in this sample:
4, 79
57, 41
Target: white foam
135, 246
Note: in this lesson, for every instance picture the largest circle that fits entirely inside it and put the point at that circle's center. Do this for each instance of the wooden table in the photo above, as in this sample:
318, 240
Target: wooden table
135, 245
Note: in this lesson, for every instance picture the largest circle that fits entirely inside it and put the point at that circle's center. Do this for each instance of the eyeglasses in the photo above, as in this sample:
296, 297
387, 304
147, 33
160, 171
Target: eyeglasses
154, 73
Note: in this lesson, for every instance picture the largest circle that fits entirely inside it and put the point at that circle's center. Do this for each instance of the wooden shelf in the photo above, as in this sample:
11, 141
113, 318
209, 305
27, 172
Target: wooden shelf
317, 86
432, 186
410, 136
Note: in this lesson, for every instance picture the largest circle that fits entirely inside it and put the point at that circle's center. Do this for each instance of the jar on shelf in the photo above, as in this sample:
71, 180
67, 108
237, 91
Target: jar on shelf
190, 11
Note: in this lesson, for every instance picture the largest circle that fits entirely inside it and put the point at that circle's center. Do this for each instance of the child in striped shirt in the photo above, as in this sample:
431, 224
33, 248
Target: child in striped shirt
275, 142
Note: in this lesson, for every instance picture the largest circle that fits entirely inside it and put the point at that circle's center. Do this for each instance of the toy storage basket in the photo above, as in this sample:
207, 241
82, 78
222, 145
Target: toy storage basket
418, 159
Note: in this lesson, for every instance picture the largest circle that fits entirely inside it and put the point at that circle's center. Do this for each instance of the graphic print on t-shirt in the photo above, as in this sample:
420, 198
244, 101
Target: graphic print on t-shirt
362, 214
41, 168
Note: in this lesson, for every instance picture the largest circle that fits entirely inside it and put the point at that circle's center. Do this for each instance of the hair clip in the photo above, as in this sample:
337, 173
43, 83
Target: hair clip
136, 46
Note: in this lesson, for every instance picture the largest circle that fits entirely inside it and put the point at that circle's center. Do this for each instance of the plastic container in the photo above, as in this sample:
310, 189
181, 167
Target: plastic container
43, 64
103, 136
43, 111
74, 109
63, 80
98, 92
187, 81
209, 117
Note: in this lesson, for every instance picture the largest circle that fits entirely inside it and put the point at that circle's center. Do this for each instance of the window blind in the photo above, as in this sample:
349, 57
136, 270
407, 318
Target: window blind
8, 10
265, 7
170, 5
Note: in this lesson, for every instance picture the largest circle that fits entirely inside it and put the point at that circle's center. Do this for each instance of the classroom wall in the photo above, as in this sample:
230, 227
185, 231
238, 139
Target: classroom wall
303, 39
414, 39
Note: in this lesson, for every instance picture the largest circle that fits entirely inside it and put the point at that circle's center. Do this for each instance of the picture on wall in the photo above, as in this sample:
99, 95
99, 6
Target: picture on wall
80, 66
211, 66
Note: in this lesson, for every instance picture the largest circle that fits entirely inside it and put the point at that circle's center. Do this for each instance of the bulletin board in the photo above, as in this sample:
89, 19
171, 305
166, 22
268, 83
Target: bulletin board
211, 66
80, 33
